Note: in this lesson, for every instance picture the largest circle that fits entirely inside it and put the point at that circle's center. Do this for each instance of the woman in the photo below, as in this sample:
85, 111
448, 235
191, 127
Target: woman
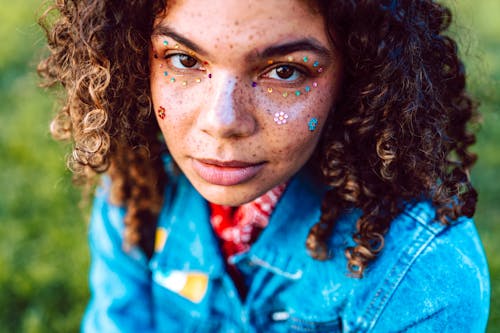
315, 175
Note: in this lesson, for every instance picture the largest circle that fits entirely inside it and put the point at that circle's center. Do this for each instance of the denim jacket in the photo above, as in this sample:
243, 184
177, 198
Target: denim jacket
428, 278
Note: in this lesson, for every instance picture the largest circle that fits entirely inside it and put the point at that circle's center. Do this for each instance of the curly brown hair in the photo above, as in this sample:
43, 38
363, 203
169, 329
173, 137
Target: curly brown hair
398, 132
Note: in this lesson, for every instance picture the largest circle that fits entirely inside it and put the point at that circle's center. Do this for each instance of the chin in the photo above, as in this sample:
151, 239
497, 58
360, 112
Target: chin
229, 198
228, 195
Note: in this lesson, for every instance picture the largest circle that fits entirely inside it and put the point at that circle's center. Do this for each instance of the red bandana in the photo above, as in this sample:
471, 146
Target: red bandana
238, 228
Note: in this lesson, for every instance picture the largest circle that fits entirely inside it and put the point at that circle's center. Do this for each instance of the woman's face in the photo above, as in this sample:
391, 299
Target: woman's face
241, 91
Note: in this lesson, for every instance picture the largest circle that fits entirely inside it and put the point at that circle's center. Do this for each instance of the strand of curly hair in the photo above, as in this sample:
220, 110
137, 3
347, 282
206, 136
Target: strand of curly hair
107, 109
400, 130
398, 133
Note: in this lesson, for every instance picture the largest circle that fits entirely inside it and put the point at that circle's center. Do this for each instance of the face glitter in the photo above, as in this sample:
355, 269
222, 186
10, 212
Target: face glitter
280, 118
254, 84
165, 73
306, 59
285, 94
161, 112
316, 64
290, 58
198, 80
184, 83
270, 62
176, 46
313, 122
297, 92
209, 75
165, 43
172, 79
320, 70
269, 90
315, 84
307, 89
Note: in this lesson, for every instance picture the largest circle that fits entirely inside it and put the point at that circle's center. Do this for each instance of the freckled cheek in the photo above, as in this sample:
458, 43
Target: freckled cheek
293, 147
294, 138
293, 114
180, 105
179, 101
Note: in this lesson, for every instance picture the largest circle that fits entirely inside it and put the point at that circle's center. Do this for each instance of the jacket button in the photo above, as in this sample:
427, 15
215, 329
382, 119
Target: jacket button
280, 316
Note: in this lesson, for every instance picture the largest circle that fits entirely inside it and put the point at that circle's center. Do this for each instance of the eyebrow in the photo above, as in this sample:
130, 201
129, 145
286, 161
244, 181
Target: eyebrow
164, 30
304, 44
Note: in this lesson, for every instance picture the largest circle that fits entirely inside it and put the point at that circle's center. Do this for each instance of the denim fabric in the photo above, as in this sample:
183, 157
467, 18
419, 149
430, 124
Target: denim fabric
428, 278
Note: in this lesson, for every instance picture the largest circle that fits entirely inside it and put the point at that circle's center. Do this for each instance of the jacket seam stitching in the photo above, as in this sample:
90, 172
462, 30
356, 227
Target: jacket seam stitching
389, 285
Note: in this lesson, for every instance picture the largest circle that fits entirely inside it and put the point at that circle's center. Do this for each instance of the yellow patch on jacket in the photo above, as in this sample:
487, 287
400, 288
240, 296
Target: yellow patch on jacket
190, 285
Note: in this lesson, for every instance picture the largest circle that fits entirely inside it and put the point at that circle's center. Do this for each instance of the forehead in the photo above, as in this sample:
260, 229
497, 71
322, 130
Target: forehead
232, 25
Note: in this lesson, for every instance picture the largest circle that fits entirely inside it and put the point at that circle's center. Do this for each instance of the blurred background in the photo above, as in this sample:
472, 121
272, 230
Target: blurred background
43, 254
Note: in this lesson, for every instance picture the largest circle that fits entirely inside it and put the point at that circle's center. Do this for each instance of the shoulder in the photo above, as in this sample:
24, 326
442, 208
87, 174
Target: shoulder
417, 236
107, 227
429, 273
451, 248
108, 219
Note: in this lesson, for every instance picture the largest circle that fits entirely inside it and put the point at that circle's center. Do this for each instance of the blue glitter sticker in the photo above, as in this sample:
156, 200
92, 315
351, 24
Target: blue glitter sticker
313, 122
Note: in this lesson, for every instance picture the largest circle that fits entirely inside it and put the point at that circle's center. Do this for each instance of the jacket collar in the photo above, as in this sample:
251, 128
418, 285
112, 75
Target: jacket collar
281, 248
191, 244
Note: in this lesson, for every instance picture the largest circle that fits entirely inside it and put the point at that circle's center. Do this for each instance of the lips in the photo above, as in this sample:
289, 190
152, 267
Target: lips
225, 173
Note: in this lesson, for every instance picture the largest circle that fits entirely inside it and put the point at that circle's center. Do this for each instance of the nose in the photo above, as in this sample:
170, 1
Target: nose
227, 113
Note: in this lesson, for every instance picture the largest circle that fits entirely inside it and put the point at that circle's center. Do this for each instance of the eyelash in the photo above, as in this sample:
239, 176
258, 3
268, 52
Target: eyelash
298, 75
179, 66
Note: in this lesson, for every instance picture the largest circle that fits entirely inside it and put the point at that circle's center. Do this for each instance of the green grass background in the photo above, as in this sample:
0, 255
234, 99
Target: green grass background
43, 255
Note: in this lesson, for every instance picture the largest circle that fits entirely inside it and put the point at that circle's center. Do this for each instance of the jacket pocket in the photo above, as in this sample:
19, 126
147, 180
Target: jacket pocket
277, 319
190, 285
181, 301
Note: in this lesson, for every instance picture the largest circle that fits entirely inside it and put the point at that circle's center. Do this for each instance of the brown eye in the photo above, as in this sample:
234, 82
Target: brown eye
183, 61
187, 61
285, 72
